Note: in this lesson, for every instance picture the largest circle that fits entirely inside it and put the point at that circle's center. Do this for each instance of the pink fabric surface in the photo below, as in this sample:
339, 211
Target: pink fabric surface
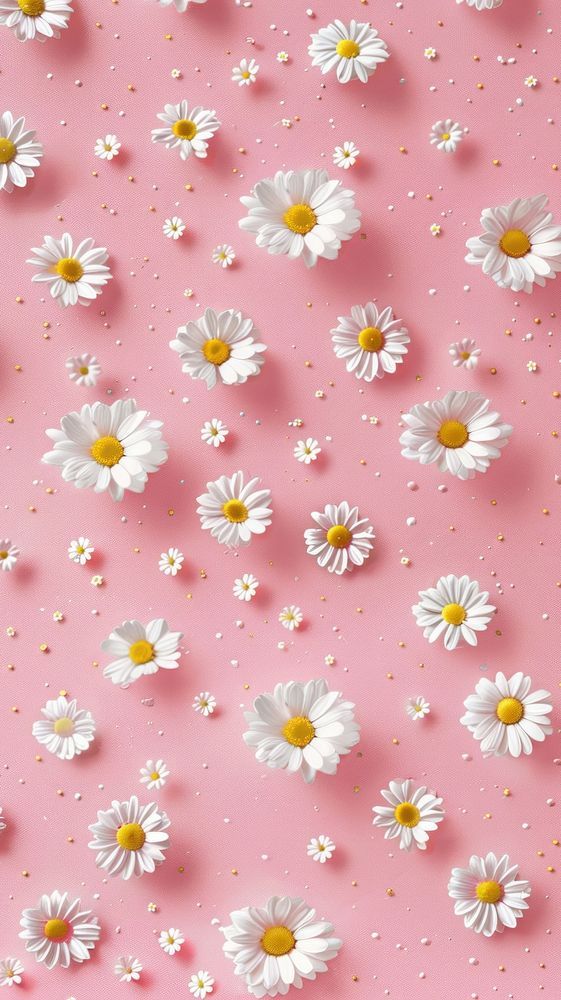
239, 830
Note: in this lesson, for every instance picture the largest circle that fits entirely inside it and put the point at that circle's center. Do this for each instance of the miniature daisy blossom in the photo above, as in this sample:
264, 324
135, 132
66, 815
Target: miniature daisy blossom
370, 342
81, 550
58, 931
35, 19
74, 276
291, 617
321, 848
417, 708
233, 511
204, 703
245, 588
411, 814
343, 538
130, 839
171, 562
224, 255
307, 451
488, 894
220, 348
128, 969
11, 971
19, 150
174, 228
66, 730
354, 50
214, 432
201, 984
506, 716
189, 131
170, 941
345, 156
83, 370
8, 555
246, 73
141, 650
456, 609
107, 148
154, 774
465, 353
446, 135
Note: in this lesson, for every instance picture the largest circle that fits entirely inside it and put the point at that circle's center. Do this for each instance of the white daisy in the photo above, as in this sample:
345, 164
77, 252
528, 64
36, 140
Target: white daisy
245, 587
307, 451
345, 156
128, 969
430, 52
214, 432
232, 511
354, 49
173, 228
343, 538
108, 447
506, 716
186, 130
291, 617
282, 57
482, 4
130, 839
302, 727
224, 255
371, 343
19, 150
11, 971
80, 550
488, 894
201, 984
181, 5
74, 276
205, 703
2, 823
301, 213
246, 73
520, 246
171, 940
411, 815
464, 353
141, 649
446, 135
171, 562
66, 730
279, 945
107, 148
154, 774
83, 369
58, 931
219, 347
35, 19
417, 708
455, 609
460, 433
321, 848
8, 555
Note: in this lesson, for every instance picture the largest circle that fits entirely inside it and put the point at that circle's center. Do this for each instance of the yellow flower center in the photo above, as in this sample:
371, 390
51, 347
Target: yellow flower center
300, 219
246, 75
347, 49
465, 355
371, 339
453, 614
452, 434
141, 652
216, 351
56, 929
407, 814
70, 269
130, 836
278, 941
84, 370
339, 536
184, 129
107, 451
489, 892
510, 711
235, 511
298, 731
155, 776
515, 243
8, 150
445, 136
32, 8
4, 554
64, 726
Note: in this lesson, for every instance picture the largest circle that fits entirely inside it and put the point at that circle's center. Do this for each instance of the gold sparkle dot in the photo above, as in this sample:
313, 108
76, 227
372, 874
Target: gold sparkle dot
43, 647
500, 538
402, 149
188, 187
171, 511
501, 968
38, 758
19, 299
493, 371
10, 420
356, 789
480, 86
389, 676
496, 163
181, 869
131, 86
395, 741
506, 792
390, 892
25, 873
70, 840
234, 871
550, 868
104, 107
555, 842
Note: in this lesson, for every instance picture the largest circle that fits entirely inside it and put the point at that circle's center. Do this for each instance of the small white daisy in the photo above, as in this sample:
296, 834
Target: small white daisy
205, 703
35, 19
411, 814
154, 774
189, 131
66, 730
370, 342
8, 555
234, 510
171, 940
171, 562
214, 432
430, 52
446, 135
11, 971
220, 347
488, 894
291, 617
173, 228
282, 57
140, 650
307, 451
201, 984
355, 50
343, 538
464, 353
129, 839
506, 716
345, 156
59, 931
245, 588
83, 369
417, 708
128, 969
74, 276
223, 255
107, 148
19, 151
436, 229
321, 848
531, 81
246, 73
456, 610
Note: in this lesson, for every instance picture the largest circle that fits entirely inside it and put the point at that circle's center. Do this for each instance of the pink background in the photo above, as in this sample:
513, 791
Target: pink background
228, 812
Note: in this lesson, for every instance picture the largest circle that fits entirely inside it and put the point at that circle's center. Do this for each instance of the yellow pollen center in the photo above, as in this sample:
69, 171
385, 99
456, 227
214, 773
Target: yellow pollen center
64, 726
407, 814
465, 355
141, 652
489, 892
184, 129
298, 731
347, 48
300, 219
452, 434
216, 351
278, 941
371, 339
155, 776
84, 370
339, 536
31, 7
453, 614
515, 243
70, 269
8, 150
510, 711
4, 554
56, 929
130, 836
107, 451
235, 511
246, 75
445, 136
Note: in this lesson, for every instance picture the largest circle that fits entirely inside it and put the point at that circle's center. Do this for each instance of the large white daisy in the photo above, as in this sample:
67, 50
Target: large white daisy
233, 511
58, 931
519, 246
220, 347
140, 650
506, 716
371, 343
482, 4
74, 276
130, 839
19, 152
488, 894
456, 609
460, 433
411, 815
108, 447
186, 130
343, 539
66, 730
279, 945
302, 727
301, 213
35, 19
354, 50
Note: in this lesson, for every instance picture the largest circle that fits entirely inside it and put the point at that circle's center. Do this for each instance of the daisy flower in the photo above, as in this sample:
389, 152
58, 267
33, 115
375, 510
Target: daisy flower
173, 228
417, 708
531, 81
11, 971
181, 5
128, 969
321, 848
282, 57
345, 156
223, 255
35, 19
19, 150
291, 617
460, 433
171, 940
154, 774
214, 432
108, 447
2, 823
488, 894
83, 370
245, 587
246, 73
520, 246
430, 52
74, 276
186, 130
482, 4
446, 135
301, 213
171, 562
141, 649
232, 511
307, 451
302, 727
342, 539
456, 609
201, 984
354, 50
80, 550
464, 353
219, 347
279, 945
8, 555
506, 716
107, 148
130, 839
370, 342
411, 814
66, 730
205, 703
58, 931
